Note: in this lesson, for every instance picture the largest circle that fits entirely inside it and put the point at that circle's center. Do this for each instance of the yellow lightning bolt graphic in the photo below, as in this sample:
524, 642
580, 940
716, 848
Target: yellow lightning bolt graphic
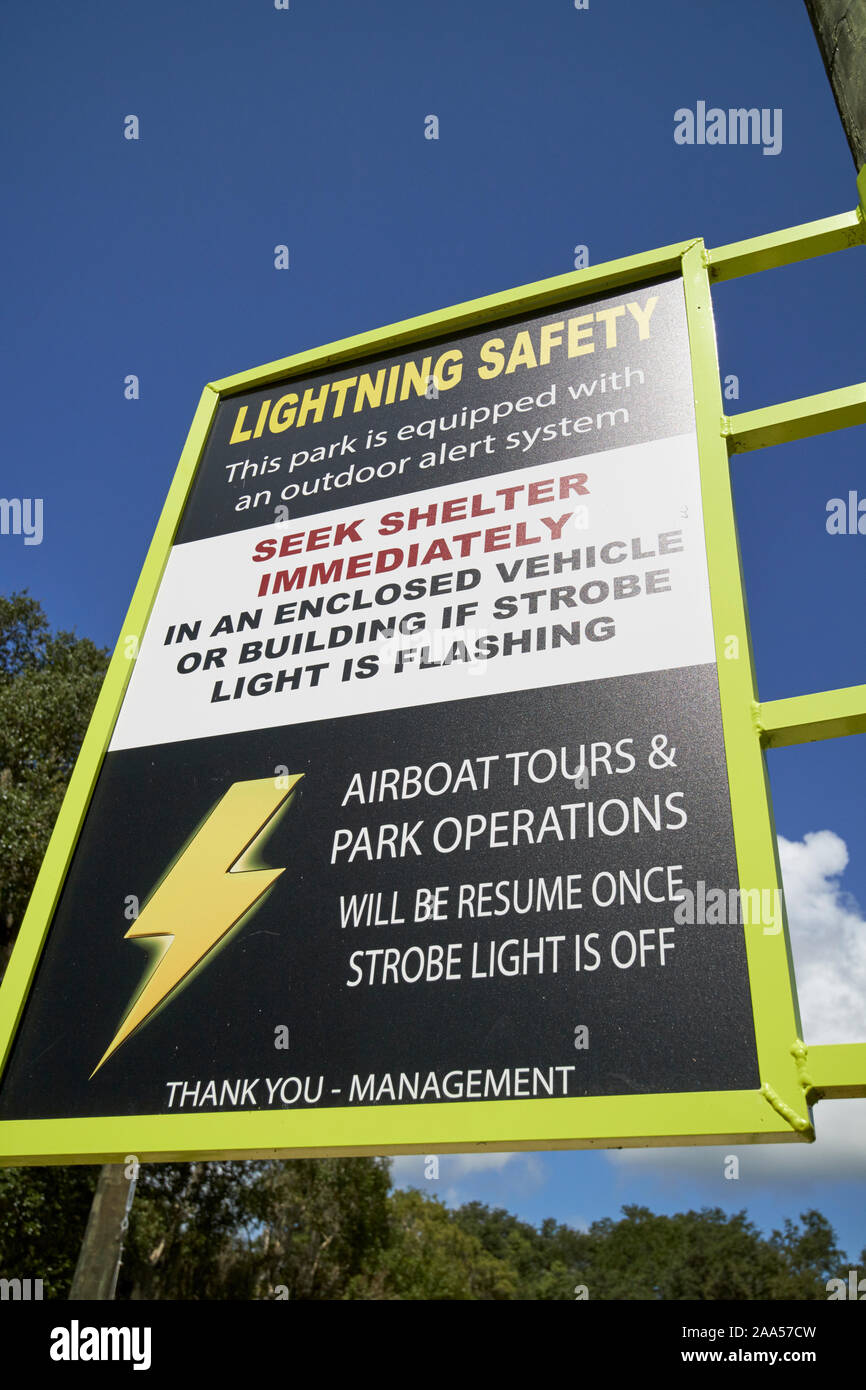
206, 893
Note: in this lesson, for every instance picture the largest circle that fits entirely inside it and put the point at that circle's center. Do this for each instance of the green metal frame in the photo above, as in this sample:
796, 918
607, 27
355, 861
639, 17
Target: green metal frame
792, 1076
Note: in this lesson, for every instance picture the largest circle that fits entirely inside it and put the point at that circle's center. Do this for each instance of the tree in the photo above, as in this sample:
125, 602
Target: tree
432, 1258
706, 1255
544, 1261
809, 1256
43, 1213
303, 1229
325, 1228
184, 1228
49, 682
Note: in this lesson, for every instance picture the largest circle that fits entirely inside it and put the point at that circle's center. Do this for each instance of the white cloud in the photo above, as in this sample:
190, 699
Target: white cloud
409, 1168
828, 940
459, 1164
472, 1176
837, 1155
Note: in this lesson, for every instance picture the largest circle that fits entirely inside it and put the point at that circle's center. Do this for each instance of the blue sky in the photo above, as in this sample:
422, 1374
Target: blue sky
305, 127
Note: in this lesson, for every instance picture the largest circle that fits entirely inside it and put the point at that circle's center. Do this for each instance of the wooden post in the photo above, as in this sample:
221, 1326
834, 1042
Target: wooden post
99, 1258
840, 28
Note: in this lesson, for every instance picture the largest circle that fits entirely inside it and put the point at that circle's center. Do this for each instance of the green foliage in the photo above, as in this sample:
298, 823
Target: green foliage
184, 1218
43, 1213
706, 1255
324, 1225
326, 1229
49, 682
544, 1260
809, 1256
304, 1229
696, 1255
431, 1257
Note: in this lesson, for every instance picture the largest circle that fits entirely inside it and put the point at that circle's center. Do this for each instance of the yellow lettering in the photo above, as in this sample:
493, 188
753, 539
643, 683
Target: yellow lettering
522, 353
369, 391
641, 316
313, 402
413, 377
283, 414
609, 317
260, 423
446, 376
576, 334
551, 336
239, 434
340, 388
492, 352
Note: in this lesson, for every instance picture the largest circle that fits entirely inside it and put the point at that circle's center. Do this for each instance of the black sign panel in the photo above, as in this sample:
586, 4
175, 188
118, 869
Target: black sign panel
420, 773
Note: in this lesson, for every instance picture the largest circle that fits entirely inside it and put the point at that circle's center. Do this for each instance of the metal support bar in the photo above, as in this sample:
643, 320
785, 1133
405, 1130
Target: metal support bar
810, 415
836, 1072
808, 718
545, 294
788, 246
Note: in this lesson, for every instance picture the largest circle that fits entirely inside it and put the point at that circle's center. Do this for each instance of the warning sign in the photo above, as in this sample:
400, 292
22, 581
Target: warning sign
420, 765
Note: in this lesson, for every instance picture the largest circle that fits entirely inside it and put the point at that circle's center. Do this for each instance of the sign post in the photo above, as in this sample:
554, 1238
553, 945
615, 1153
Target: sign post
426, 771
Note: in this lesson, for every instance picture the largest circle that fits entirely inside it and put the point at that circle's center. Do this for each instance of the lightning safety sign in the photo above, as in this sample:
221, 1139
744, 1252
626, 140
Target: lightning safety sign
422, 808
